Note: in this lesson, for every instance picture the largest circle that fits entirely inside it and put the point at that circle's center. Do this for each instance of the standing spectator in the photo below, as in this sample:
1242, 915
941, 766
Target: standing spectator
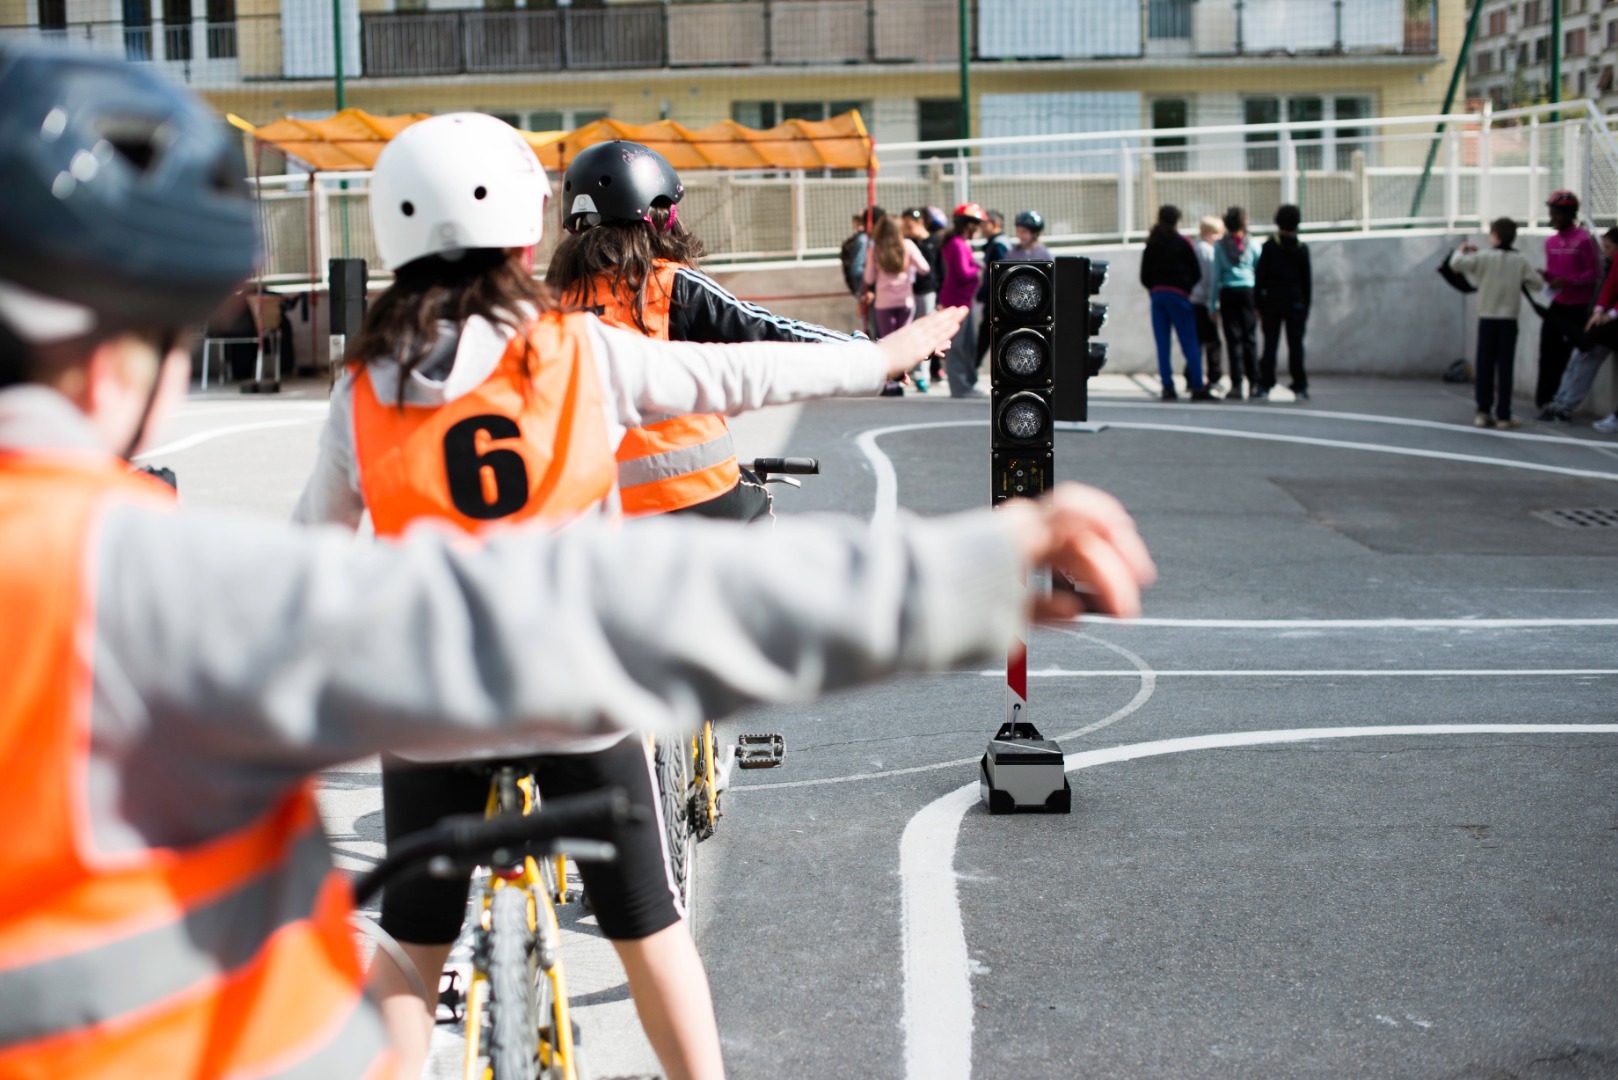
1285, 287
855, 251
1030, 223
995, 248
937, 231
1234, 262
1210, 230
961, 277
1169, 270
1601, 336
1573, 271
925, 288
1499, 276
890, 272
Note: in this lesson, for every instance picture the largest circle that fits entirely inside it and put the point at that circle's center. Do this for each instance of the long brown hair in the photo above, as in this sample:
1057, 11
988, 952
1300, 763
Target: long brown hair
627, 253
890, 247
403, 323
1167, 227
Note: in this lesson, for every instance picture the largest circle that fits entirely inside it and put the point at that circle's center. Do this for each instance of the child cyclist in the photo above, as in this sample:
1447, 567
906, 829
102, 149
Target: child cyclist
472, 401
632, 262
171, 909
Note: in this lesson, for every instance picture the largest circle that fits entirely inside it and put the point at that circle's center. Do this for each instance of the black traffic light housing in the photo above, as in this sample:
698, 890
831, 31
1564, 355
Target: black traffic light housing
1041, 321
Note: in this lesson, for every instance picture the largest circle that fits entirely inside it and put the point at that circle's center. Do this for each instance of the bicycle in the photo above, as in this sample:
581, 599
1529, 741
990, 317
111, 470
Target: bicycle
518, 991
691, 774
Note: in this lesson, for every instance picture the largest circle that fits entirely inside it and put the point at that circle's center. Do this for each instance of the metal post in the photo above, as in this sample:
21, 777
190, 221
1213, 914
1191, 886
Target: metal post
1556, 55
1449, 99
1126, 192
966, 71
1533, 171
800, 215
1452, 178
337, 51
1485, 156
1586, 163
1240, 43
1338, 14
1289, 168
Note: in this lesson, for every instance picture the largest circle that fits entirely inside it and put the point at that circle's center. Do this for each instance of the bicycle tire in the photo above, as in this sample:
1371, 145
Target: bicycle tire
514, 1006
673, 790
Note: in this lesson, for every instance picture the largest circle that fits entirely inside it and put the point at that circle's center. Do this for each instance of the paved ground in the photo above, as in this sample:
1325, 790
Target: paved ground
1421, 903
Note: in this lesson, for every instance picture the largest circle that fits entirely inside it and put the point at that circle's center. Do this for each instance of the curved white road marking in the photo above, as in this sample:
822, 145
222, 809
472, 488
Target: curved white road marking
200, 437
1369, 448
1143, 671
887, 482
937, 977
1321, 673
1348, 624
1364, 418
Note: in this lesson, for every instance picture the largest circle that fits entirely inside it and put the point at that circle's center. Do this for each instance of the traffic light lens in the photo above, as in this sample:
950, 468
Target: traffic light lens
1024, 355
1023, 419
1024, 293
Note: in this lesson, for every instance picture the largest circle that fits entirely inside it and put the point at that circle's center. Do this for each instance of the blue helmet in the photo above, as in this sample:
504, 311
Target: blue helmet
124, 195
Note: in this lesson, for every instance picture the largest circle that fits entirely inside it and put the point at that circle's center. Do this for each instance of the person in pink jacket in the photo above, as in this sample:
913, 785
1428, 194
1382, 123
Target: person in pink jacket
962, 275
1573, 272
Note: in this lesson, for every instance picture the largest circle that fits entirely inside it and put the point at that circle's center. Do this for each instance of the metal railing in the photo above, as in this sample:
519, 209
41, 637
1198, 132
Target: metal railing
196, 52
481, 41
1099, 187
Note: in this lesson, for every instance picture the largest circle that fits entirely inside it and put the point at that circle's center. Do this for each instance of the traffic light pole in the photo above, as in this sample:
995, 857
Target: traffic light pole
1040, 358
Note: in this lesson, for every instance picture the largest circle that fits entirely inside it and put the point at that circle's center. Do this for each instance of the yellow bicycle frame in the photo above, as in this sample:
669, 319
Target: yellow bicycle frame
532, 880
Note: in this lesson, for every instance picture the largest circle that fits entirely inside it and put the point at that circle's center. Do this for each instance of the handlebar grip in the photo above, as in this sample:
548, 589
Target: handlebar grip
801, 466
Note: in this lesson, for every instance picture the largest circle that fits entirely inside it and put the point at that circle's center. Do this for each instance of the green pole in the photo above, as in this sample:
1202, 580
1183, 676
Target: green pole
1556, 55
966, 72
1449, 100
337, 49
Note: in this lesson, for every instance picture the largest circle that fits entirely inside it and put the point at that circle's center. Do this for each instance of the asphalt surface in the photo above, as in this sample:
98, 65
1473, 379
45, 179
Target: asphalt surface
1439, 905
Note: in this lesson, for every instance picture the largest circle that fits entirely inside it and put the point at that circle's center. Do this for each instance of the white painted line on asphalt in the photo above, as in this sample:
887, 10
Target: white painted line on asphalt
1143, 671
197, 409
938, 1018
1323, 673
887, 482
200, 437
1347, 624
1362, 418
1370, 448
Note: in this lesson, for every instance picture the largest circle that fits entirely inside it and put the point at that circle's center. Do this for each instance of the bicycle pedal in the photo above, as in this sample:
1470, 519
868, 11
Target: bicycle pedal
760, 751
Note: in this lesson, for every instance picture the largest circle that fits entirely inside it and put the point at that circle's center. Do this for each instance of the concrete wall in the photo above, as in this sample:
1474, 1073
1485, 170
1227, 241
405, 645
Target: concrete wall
1380, 309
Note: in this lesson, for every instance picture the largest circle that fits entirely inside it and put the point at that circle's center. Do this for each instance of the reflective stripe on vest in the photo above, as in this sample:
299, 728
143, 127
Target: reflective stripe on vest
523, 446
668, 463
230, 957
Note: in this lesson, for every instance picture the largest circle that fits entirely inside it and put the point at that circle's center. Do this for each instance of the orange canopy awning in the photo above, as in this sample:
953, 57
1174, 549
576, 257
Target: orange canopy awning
353, 138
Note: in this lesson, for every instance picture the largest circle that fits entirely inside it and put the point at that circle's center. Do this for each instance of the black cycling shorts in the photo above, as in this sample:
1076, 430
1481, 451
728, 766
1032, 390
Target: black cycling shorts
633, 897
749, 500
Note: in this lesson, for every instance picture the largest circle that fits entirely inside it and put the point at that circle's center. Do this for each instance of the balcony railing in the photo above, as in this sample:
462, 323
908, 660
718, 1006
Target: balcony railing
481, 42
732, 33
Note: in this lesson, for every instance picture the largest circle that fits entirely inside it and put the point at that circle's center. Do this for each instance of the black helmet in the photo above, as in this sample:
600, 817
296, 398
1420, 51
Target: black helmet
1031, 219
123, 195
617, 182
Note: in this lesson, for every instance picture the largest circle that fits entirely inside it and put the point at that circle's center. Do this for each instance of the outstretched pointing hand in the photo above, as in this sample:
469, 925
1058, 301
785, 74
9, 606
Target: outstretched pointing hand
1087, 534
911, 344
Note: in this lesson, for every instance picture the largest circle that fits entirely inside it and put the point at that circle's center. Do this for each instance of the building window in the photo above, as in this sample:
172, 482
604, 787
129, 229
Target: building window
1531, 13
1265, 110
559, 119
1168, 20
1348, 138
137, 30
1573, 43
938, 119
1542, 50
222, 29
1497, 23
52, 15
1170, 113
1314, 149
1522, 55
1612, 32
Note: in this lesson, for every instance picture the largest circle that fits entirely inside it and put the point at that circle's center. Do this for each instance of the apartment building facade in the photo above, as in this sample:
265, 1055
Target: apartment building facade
1510, 61
1038, 66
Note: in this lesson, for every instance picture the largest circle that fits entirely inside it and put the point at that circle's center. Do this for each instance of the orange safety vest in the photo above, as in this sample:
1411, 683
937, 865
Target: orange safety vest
231, 957
669, 462
522, 446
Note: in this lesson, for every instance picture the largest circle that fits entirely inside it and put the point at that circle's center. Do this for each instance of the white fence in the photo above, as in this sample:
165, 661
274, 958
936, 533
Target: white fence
1098, 187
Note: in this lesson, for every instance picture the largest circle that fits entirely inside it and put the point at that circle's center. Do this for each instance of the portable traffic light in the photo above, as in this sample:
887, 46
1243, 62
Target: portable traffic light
1041, 322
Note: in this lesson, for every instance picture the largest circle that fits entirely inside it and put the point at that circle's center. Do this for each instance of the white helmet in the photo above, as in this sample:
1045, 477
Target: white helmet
453, 182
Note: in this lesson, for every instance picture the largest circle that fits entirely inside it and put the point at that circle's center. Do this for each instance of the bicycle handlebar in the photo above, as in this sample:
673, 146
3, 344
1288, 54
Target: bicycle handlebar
801, 466
472, 836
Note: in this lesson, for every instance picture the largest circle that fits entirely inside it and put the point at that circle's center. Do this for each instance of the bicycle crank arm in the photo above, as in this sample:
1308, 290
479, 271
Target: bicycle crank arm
760, 751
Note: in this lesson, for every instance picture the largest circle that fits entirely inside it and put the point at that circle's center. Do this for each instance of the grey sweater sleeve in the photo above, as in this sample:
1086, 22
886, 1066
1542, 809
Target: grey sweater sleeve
284, 649
332, 493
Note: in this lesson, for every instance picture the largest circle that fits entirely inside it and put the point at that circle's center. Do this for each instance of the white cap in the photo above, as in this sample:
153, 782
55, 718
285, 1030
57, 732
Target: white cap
453, 182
